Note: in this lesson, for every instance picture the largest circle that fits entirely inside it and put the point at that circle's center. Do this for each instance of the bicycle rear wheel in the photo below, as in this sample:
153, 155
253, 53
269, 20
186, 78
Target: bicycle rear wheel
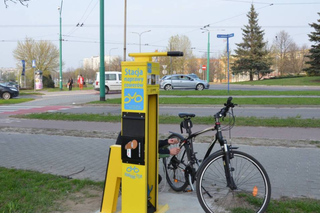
175, 167
253, 185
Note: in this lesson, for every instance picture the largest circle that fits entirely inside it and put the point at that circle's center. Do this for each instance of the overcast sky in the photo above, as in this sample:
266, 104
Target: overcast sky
165, 18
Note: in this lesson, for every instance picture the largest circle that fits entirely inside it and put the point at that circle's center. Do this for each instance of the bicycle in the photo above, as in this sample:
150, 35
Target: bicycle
227, 180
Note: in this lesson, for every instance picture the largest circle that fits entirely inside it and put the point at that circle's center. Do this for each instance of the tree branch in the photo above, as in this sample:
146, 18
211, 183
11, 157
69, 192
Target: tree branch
23, 2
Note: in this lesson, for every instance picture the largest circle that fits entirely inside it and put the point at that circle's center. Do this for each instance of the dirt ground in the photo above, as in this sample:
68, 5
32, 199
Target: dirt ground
86, 201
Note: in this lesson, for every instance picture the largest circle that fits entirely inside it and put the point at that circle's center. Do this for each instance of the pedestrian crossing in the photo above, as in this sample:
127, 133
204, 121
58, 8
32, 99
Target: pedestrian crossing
15, 110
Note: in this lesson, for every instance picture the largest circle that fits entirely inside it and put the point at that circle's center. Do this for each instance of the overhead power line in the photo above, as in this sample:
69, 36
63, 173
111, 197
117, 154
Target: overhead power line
147, 26
279, 3
81, 23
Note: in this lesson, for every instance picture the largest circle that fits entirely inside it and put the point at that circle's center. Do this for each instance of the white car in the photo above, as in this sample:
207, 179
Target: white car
112, 81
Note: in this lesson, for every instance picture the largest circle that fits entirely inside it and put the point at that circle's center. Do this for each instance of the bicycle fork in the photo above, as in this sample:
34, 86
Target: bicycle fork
228, 168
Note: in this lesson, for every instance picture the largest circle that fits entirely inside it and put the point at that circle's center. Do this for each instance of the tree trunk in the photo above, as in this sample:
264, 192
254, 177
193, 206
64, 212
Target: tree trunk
251, 76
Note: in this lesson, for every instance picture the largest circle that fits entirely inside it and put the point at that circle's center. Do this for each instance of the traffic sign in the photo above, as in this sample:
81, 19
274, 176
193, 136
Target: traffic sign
164, 72
33, 63
164, 66
225, 35
204, 67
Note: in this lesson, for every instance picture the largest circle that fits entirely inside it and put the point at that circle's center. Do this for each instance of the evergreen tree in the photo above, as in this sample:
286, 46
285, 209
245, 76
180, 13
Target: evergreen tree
251, 55
314, 68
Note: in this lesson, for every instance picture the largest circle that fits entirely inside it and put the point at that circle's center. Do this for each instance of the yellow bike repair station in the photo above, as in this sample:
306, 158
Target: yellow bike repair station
133, 165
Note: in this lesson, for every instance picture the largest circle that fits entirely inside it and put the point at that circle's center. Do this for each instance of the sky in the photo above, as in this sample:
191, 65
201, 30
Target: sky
165, 18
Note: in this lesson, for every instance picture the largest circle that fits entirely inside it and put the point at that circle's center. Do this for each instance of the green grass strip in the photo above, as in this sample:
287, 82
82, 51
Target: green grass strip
297, 81
64, 88
30, 93
15, 101
237, 93
29, 192
168, 119
221, 101
287, 205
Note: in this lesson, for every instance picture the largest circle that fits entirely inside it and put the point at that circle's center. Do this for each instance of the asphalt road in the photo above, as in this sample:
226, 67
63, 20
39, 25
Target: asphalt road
76, 98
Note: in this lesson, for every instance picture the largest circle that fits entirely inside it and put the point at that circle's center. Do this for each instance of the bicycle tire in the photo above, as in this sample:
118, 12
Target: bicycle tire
253, 185
175, 170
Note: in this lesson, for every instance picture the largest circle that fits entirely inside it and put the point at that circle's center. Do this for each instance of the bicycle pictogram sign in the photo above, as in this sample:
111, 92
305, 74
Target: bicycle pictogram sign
135, 97
135, 169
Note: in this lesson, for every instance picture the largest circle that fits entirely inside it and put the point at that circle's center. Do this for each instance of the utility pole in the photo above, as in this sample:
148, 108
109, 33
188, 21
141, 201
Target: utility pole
208, 52
102, 68
60, 62
125, 32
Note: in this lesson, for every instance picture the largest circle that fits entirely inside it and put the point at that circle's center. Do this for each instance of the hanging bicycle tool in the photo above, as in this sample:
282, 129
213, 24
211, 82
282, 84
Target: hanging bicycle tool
135, 162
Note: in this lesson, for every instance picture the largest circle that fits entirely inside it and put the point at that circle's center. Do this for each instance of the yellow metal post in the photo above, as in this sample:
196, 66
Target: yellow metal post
139, 137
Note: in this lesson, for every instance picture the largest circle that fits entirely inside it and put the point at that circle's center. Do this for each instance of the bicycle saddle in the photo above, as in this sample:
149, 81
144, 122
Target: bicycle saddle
186, 115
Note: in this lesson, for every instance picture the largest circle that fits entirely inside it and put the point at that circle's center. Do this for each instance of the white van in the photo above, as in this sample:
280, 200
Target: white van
112, 82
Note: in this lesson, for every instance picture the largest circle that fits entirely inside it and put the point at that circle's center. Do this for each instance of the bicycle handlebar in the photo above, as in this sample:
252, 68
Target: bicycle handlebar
223, 112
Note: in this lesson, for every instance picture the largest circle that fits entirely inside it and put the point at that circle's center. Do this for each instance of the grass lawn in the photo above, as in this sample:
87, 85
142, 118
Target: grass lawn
64, 88
221, 101
30, 93
298, 81
15, 101
29, 192
168, 119
237, 93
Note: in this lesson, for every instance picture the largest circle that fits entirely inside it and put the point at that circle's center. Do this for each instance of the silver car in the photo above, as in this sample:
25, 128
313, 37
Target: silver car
181, 81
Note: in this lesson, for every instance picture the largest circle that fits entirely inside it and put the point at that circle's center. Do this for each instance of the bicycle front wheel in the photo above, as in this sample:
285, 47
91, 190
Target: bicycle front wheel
253, 189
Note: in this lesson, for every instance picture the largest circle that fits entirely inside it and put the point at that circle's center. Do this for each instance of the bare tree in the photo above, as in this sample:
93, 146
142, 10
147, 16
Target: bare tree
45, 53
178, 64
115, 64
290, 58
281, 45
23, 2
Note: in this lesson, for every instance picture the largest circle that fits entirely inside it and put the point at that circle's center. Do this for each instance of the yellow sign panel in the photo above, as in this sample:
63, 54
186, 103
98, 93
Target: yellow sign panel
134, 190
137, 78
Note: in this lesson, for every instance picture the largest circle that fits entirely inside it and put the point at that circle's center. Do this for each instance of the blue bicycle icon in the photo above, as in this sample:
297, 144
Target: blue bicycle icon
135, 169
135, 97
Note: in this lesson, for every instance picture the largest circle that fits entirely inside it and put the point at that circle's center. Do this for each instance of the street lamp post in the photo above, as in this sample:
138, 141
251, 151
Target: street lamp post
208, 54
110, 55
140, 37
60, 49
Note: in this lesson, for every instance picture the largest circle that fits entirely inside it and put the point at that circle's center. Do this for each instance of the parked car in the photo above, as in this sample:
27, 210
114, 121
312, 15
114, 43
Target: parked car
11, 84
112, 81
7, 92
192, 75
182, 81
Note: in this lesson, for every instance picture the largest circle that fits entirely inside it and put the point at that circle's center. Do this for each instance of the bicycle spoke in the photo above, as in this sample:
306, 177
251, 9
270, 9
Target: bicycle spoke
252, 193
